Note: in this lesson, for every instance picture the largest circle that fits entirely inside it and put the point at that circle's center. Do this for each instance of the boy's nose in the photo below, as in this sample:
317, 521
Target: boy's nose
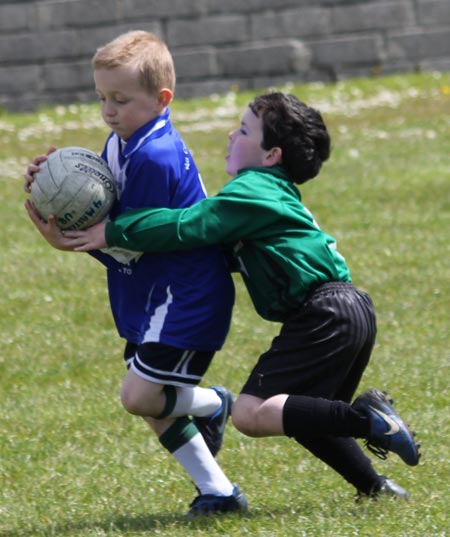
108, 109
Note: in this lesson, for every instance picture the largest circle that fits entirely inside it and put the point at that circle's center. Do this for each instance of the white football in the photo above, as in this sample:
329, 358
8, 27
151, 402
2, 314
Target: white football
76, 186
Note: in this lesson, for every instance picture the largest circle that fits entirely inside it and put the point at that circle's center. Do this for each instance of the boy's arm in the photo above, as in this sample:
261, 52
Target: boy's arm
224, 218
213, 220
146, 230
210, 221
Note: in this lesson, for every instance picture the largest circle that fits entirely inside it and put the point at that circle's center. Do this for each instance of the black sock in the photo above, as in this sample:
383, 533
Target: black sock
345, 457
316, 417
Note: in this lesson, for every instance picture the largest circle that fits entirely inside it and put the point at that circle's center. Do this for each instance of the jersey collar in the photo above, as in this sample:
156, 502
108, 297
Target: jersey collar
153, 129
276, 171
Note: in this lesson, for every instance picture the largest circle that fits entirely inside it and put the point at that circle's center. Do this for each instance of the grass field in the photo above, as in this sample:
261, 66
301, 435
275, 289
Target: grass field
73, 463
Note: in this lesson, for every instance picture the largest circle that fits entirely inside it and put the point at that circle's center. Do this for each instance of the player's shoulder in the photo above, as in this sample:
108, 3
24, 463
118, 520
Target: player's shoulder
149, 158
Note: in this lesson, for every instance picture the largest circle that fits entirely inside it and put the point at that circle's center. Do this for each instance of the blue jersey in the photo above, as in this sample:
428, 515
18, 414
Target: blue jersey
181, 299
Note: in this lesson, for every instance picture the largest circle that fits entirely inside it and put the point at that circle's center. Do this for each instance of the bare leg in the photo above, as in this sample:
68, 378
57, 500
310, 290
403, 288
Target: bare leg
141, 397
258, 417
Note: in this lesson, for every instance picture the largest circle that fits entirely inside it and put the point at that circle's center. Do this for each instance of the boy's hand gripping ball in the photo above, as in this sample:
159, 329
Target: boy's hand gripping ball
76, 186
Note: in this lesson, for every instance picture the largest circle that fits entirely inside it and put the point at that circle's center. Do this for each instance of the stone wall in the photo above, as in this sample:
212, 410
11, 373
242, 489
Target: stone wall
46, 45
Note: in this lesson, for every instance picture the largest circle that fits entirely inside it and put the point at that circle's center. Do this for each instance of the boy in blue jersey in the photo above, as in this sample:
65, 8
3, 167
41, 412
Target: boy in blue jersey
173, 309
303, 386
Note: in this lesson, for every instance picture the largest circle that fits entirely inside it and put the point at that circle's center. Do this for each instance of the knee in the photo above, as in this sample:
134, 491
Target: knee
257, 417
130, 402
142, 398
244, 420
140, 404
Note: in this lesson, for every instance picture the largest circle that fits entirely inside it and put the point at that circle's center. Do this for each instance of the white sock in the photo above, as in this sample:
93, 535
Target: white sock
197, 460
195, 402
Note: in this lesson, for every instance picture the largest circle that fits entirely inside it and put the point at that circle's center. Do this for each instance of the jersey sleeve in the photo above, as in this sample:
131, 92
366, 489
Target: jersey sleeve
233, 214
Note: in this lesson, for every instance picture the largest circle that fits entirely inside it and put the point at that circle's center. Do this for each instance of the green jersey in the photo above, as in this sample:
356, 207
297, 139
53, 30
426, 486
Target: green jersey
276, 245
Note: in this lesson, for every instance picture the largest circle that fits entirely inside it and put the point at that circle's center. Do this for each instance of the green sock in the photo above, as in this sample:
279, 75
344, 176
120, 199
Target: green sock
178, 434
183, 440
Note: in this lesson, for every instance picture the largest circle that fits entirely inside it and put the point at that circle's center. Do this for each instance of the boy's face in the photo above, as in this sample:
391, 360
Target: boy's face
244, 146
126, 106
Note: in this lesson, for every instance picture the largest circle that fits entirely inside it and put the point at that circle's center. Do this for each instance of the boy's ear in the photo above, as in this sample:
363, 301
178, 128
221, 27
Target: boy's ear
165, 96
273, 157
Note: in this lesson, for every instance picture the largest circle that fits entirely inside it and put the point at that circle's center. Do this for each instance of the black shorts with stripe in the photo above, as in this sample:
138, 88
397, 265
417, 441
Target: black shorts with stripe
163, 364
322, 349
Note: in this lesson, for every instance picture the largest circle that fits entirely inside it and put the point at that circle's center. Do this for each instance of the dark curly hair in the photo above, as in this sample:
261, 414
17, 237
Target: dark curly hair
297, 129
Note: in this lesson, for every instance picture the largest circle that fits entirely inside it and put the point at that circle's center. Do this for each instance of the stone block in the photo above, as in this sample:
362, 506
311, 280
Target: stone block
206, 31
89, 41
153, 9
15, 17
275, 57
436, 64
75, 13
31, 47
433, 12
419, 45
363, 17
347, 50
435, 44
252, 6
68, 75
295, 23
26, 77
195, 63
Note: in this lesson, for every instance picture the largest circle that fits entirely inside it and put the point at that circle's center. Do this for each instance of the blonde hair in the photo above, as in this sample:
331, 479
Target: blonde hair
142, 50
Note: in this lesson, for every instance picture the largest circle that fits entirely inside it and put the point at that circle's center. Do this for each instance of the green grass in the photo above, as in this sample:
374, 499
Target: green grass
73, 463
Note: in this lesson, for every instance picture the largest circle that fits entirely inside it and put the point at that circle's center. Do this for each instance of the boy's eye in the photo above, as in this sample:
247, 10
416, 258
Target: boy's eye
113, 100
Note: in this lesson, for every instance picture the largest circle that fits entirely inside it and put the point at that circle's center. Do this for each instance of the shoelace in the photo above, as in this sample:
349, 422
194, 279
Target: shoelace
381, 453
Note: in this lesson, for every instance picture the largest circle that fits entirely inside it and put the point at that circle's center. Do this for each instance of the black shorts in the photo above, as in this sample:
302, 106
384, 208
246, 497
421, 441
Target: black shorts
160, 363
322, 349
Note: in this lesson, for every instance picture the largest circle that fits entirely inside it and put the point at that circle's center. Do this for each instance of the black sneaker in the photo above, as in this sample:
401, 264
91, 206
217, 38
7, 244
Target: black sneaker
388, 432
212, 427
211, 504
387, 487
391, 488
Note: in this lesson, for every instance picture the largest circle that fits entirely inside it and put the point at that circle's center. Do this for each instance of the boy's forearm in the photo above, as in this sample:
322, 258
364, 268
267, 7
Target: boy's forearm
145, 230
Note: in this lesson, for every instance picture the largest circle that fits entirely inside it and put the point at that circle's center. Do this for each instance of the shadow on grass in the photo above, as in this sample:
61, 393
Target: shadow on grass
144, 523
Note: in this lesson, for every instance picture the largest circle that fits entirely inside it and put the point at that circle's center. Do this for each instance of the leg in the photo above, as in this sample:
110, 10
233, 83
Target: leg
258, 417
184, 442
142, 397
166, 408
345, 457
148, 399
294, 415
210, 407
319, 356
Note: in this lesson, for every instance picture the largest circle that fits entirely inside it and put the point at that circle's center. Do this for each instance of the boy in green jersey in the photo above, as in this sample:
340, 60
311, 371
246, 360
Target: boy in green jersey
304, 385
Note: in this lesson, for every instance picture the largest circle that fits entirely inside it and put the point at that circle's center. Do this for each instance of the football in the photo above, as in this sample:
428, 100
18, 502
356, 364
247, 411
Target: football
76, 186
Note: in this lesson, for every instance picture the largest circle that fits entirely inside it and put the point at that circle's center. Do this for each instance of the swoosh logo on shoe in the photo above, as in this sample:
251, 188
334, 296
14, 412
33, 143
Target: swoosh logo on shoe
393, 426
